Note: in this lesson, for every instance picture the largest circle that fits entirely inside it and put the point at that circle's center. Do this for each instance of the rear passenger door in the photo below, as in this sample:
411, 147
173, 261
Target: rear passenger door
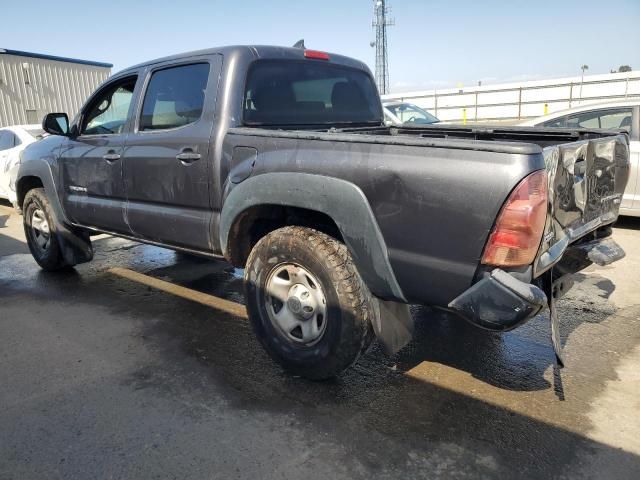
167, 159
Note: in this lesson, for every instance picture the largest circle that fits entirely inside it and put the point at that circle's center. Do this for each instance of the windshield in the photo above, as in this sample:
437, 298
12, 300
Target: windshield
408, 113
285, 92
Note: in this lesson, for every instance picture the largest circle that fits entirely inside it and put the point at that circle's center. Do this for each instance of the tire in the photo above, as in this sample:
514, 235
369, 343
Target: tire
329, 291
44, 246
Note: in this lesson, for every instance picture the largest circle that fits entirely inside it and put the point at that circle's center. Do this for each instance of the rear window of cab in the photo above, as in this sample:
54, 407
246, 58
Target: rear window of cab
309, 92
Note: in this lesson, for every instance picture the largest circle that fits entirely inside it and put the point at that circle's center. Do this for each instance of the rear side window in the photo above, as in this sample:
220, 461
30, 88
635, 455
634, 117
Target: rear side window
583, 120
286, 92
620, 118
174, 97
610, 119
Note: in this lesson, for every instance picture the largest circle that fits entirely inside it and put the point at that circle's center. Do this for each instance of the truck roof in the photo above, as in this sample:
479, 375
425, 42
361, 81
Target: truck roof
255, 51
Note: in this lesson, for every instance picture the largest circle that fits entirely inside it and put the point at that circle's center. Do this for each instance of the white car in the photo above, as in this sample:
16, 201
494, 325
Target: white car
403, 113
611, 115
12, 141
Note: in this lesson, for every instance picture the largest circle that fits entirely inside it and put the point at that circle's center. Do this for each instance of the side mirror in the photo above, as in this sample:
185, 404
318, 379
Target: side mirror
56, 124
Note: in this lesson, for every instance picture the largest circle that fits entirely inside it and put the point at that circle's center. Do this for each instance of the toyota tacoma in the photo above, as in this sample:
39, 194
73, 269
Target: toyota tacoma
279, 161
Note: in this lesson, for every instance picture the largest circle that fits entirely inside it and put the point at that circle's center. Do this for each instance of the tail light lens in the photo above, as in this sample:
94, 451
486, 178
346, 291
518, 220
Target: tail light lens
315, 54
516, 237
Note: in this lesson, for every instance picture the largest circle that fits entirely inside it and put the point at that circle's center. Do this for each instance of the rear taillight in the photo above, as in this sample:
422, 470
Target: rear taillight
516, 236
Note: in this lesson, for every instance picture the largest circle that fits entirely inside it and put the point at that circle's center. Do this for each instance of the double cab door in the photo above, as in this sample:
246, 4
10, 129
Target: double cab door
91, 169
140, 163
166, 167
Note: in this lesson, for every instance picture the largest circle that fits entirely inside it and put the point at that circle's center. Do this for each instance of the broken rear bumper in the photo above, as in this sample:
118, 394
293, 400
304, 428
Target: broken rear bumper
499, 302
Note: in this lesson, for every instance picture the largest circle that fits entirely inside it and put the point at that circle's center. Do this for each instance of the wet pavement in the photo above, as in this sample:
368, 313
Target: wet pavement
107, 376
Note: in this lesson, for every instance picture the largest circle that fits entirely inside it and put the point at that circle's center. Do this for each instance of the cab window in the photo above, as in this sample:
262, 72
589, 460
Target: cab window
174, 97
309, 93
108, 113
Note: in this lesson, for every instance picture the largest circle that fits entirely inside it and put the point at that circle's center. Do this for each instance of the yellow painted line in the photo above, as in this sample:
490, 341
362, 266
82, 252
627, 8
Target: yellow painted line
227, 306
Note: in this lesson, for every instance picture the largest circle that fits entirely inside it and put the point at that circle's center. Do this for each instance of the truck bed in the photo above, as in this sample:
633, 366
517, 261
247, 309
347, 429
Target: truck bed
543, 137
431, 176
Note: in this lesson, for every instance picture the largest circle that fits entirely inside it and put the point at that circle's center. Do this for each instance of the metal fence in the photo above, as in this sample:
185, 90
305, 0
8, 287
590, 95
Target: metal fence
516, 102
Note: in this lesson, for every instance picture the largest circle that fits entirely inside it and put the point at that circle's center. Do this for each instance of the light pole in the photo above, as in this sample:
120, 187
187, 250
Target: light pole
583, 68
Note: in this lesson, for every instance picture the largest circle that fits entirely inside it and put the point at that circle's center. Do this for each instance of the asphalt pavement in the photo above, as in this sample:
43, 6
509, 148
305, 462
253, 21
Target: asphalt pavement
141, 364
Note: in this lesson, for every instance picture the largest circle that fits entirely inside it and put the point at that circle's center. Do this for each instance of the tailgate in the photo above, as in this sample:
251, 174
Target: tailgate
586, 183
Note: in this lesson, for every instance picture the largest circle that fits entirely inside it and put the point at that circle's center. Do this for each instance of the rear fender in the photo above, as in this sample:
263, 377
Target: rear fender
342, 201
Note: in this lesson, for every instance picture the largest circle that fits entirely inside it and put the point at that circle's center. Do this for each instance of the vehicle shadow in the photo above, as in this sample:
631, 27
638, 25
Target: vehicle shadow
628, 223
515, 360
383, 418
9, 245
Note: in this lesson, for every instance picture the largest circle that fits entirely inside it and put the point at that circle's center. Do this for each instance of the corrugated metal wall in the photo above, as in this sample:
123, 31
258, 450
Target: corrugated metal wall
31, 87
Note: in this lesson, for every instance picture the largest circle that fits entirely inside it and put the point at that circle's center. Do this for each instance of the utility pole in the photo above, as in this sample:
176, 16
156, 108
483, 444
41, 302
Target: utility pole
583, 68
380, 24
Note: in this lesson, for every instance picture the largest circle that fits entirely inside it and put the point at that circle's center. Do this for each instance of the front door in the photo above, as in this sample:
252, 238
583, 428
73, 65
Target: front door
166, 161
91, 172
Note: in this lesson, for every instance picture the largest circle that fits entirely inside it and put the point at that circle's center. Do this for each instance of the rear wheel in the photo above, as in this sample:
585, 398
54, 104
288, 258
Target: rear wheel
37, 219
307, 302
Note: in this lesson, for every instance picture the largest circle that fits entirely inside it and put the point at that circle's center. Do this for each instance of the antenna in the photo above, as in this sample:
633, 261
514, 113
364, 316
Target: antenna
380, 24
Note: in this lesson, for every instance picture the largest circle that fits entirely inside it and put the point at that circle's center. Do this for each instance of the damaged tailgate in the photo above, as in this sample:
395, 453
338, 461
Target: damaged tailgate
586, 182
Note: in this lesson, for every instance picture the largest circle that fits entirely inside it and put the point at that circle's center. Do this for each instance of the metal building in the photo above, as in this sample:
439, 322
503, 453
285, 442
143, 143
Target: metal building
32, 84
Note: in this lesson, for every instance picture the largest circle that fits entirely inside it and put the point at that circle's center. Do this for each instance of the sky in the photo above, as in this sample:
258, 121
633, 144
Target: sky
434, 43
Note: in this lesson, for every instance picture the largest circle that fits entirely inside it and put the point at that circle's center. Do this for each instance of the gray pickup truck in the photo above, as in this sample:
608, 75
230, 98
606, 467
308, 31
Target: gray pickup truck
279, 160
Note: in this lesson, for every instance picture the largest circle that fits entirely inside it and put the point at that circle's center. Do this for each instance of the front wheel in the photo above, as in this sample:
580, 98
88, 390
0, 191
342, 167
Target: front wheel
38, 222
307, 303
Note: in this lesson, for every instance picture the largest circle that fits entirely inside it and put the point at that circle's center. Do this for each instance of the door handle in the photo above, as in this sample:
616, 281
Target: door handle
187, 156
111, 156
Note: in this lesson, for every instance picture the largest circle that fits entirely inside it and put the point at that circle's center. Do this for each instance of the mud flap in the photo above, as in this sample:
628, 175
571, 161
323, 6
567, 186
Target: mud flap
393, 324
552, 290
75, 246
